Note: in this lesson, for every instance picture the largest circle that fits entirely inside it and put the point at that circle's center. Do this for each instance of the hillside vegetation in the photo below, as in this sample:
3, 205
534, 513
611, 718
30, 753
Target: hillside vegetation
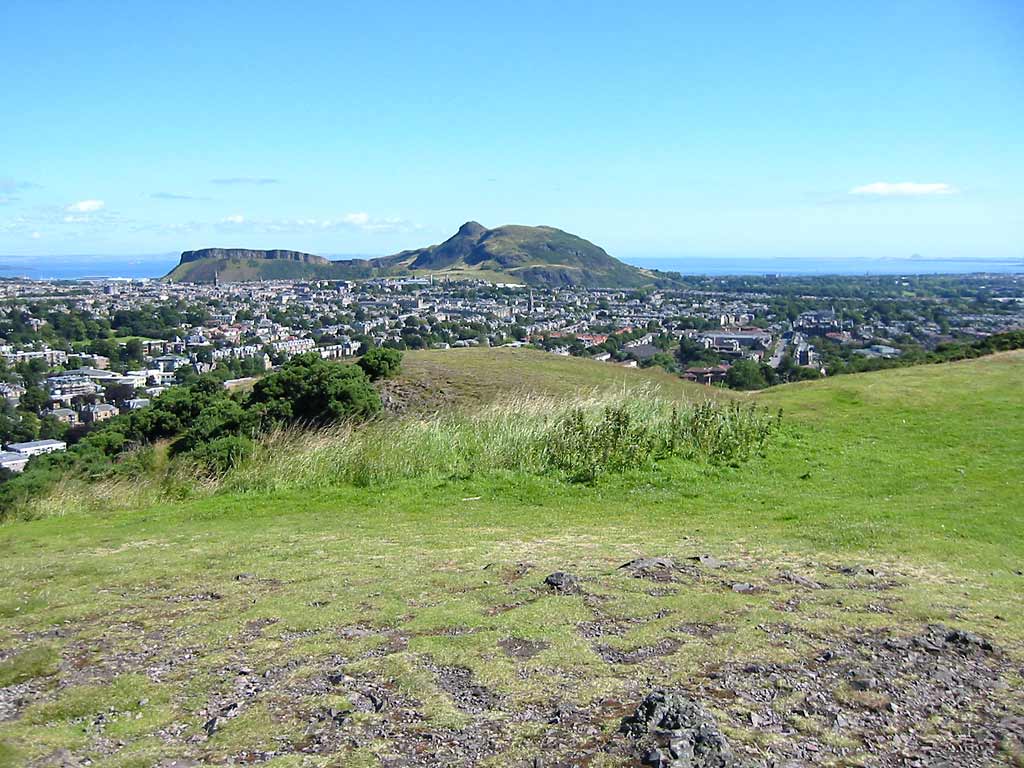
541, 256
407, 621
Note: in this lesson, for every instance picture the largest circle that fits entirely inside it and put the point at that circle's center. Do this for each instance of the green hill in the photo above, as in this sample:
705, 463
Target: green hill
541, 256
532, 255
406, 621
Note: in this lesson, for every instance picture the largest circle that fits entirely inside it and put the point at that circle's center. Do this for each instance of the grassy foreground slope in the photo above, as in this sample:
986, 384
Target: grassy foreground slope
409, 624
432, 379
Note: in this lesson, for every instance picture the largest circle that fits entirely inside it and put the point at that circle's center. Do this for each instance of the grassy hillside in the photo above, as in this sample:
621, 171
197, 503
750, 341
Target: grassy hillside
542, 256
408, 623
432, 379
533, 255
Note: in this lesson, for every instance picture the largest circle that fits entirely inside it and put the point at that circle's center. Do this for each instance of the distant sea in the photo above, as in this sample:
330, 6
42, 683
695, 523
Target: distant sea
157, 265
727, 265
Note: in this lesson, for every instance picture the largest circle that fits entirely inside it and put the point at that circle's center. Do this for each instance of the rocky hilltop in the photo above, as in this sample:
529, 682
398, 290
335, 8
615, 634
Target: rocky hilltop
246, 253
541, 256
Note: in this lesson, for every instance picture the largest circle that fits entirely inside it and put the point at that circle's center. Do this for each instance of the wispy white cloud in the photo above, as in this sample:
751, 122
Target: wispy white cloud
174, 196
254, 180
13, 185
903, 189
359, 219
356, 220
86, 206
36, 235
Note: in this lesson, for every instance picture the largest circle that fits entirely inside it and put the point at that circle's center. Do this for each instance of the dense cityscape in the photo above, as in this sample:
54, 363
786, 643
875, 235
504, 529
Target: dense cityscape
75, 354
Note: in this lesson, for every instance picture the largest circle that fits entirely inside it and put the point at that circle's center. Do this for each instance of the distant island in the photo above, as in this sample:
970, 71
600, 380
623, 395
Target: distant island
537, 256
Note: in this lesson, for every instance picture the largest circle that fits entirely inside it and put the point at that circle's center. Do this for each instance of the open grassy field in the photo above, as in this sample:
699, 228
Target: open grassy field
409, 623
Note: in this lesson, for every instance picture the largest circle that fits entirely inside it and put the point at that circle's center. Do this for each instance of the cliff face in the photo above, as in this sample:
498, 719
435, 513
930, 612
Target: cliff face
245, 253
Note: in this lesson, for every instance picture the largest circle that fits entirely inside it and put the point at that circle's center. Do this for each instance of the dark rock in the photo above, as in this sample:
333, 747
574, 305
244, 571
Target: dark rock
862, 680
562, 582
939, 639
968, 640
654, 757
664, 647
801, 581
211, 726
337, 715
465, 692
678, 733
656, 568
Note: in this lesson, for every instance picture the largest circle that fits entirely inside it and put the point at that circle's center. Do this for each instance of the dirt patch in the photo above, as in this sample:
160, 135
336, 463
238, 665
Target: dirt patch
400, 396
702, 630
934, 698
517, 648
665, 647
466, 694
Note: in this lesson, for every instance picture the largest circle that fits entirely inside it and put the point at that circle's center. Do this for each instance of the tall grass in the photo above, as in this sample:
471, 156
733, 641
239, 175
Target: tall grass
579, 440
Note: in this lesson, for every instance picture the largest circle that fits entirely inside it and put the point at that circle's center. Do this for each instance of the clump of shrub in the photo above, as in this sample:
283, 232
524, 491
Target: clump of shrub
722, 433
381, 362
585, 446
617, 437
223, 454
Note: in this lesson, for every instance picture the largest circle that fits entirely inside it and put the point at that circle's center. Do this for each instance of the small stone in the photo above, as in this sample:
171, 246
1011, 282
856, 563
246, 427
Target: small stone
743, 587
862, 681
560, 581
801, 581
650, 567
654, 757
211, 726
708, 561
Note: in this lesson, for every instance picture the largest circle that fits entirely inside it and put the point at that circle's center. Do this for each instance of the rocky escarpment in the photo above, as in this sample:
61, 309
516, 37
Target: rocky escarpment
247, 253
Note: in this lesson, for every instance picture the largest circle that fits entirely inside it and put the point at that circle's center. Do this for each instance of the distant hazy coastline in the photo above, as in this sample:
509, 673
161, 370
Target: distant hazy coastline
153, 266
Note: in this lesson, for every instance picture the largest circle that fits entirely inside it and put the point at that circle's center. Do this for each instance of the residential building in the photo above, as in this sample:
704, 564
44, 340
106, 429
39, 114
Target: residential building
37, 447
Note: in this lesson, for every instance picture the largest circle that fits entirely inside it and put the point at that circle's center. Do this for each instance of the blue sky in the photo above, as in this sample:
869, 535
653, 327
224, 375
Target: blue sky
656, 128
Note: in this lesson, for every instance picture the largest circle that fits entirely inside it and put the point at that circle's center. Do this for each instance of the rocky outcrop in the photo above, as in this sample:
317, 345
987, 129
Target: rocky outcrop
672, 731
246, 253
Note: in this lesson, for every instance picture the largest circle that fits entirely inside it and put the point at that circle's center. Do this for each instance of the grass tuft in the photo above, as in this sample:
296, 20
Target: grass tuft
40, 661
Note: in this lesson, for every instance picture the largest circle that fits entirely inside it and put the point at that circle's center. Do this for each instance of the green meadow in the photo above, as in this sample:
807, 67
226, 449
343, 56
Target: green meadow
284, 614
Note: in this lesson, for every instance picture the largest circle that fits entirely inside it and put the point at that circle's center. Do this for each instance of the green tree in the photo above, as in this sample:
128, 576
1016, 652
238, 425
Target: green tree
746, 374
34, 400
381, 363
311, 390
692, 353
